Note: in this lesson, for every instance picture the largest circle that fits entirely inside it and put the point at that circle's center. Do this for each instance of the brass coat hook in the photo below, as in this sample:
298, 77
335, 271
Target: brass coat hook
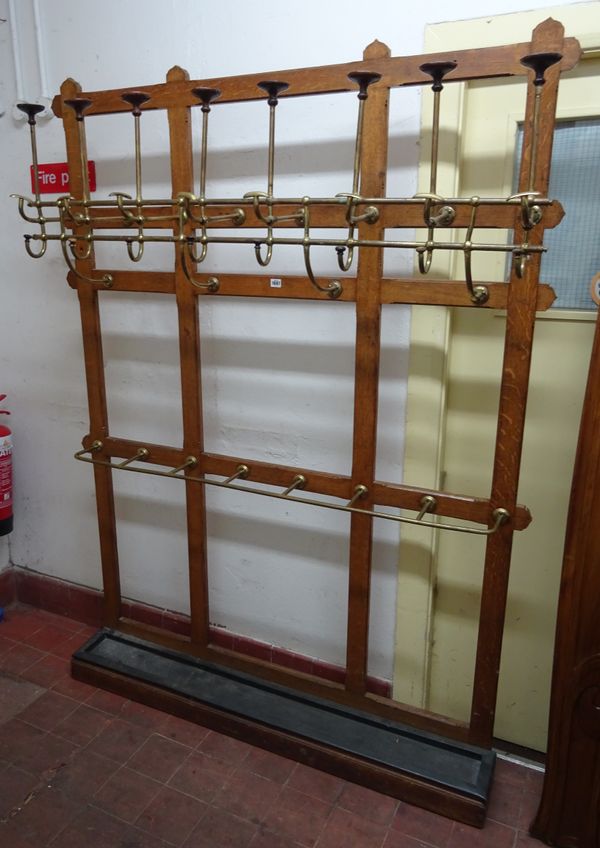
437, 71
539, 64
363, 79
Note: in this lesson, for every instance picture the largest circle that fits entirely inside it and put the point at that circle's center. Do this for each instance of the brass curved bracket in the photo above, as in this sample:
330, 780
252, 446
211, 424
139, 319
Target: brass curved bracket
478, 294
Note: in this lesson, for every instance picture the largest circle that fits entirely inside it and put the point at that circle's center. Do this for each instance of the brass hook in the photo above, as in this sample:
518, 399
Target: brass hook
299, 482
478, 294
240, 473
64, 238
139, 240
539, 64
29, 238
31, 110
141, 453
359, 492
428, 504
191, 243
425, 253
21, 206
334, 289
211, 284
190, 462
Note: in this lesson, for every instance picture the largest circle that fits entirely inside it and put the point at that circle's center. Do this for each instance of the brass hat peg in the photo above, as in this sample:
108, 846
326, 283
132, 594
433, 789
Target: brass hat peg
206, 96
135, 100
364, 79
273, 89
539, 64
437, 71
31, 110
79, 105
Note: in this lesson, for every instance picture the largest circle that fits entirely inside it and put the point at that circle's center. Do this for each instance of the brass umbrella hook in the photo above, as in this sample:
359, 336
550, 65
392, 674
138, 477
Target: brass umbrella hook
135, 99
273, 88
539, 64
437, 71
363, 79
31, 110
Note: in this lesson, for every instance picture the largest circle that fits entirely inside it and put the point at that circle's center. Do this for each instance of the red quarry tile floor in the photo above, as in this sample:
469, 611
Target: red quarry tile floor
82, 768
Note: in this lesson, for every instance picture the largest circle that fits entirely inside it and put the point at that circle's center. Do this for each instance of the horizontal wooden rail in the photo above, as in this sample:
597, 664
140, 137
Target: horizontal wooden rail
395, 71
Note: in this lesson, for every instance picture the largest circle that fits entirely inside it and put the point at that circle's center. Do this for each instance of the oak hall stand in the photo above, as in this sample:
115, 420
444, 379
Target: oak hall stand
445, 765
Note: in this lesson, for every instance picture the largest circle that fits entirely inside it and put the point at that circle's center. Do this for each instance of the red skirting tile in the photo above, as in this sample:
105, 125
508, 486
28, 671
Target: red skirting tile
84, 604
8, 589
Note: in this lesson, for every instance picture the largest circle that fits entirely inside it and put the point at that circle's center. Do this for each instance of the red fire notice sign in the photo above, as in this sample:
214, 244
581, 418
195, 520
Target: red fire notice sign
54, 177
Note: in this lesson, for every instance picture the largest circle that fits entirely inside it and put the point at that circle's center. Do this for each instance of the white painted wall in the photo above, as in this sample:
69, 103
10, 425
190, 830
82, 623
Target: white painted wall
278, 376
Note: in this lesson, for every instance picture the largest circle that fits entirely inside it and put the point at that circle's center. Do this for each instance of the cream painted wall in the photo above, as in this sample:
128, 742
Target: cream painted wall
277, 376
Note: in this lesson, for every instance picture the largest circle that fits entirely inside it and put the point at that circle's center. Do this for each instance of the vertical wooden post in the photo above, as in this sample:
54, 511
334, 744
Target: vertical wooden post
94, 372
520, 323
182, 178
366, 387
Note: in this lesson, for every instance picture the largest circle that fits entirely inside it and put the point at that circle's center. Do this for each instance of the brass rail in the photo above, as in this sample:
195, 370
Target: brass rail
500, 515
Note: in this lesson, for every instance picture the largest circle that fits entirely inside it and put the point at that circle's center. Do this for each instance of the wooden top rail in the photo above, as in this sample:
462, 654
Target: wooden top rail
329, 79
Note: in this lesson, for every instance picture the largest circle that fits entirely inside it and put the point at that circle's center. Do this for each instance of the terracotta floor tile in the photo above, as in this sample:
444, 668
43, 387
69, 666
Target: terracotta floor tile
225, 748
143, 716
530, 803
219, 829
318, 784
84, 774
18, 624
159, 757
268, 765
10, 836
5, 643
534, 781
171, 815
524, 840
493, 835
505, 803
82, 725
61, 621
46, 671
248, 796
67, 647
119, 740
421, 824
268, 839
15, 786
368, 804
96, 829
47, 638
509, 772
297, 816
16, 735
48, 710
71, 688
351, 831
395, 839
15, 695
183, 731
45, 815
108, 702
126, 794
201, 776
47, 754
19, 659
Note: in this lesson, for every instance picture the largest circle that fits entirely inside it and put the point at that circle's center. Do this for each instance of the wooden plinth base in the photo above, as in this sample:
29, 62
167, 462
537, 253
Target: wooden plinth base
450, 778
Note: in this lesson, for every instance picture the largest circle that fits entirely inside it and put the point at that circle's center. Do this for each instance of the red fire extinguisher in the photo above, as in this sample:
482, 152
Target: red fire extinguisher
6, 516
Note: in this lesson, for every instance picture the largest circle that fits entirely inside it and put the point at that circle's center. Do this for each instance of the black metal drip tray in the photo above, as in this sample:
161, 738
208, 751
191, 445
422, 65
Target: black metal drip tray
445, 763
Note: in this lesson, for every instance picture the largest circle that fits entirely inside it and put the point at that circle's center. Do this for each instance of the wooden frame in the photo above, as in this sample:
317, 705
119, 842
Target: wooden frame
369, 291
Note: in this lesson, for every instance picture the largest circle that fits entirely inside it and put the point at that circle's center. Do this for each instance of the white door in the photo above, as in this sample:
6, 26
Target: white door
444, 579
